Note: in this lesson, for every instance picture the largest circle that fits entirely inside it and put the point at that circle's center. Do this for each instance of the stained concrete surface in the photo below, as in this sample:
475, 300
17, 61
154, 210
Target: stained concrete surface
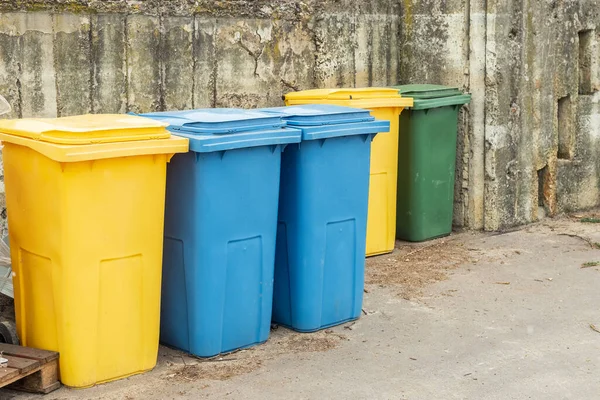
528, 143
512, 322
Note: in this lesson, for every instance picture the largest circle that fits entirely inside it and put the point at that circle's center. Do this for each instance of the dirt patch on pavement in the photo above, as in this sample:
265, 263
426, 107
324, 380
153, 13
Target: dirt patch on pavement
215, 370
294, 342
412, 266
282, 341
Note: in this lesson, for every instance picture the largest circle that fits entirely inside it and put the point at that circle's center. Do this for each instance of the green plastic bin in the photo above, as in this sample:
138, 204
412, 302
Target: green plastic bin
426, 161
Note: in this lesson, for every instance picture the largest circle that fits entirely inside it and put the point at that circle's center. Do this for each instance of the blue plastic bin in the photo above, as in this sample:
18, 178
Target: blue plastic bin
321, 234
220, 229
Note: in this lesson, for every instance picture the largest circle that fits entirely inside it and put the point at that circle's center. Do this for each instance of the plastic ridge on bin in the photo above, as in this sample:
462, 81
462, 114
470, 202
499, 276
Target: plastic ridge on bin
220, 229
321, 235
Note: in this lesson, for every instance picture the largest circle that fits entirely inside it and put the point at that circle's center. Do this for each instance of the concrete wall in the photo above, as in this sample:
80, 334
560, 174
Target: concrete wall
529, 143
59, 58
143, 56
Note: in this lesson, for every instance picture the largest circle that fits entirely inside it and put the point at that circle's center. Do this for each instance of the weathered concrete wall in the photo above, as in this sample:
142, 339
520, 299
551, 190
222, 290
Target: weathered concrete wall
529, 143
66, 57
548, 152
74, 57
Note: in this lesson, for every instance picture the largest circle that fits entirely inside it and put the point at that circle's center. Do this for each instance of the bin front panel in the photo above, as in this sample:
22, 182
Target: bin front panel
86, 241
221, 219
319, 268
426, 171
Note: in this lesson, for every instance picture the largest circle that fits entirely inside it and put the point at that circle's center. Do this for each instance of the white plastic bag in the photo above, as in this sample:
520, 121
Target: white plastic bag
6, 283
6, 274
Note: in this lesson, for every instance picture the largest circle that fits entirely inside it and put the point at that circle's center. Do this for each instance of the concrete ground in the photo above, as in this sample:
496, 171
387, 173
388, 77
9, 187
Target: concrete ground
493, 316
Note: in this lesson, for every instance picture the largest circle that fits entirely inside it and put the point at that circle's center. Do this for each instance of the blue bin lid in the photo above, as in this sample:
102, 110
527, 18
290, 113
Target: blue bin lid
217, 129
217, 120
320, 114
321, 121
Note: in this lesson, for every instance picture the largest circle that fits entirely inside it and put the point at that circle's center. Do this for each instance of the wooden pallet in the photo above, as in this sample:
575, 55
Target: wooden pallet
29, 370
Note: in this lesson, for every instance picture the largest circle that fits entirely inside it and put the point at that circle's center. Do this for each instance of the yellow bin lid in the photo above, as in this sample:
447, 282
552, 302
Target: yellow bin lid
372, 97
86, 129
94, 136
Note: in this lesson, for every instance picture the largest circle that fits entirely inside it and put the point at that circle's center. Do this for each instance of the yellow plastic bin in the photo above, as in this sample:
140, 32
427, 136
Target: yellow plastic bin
85, 198
384, 104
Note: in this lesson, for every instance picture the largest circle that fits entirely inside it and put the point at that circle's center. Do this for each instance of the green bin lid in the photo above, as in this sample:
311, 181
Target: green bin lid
432, 96
427, 91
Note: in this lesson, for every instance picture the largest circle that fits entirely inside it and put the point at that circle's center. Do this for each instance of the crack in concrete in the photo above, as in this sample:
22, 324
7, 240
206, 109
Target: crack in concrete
289, 85
194, 60
126, 62
55, 66
92, 77
19, 91
162, 65
215, 66
252, 54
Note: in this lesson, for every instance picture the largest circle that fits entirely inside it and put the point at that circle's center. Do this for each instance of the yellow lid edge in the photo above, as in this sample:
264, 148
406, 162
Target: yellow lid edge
344, 93
88, 152
362, 103
70, 130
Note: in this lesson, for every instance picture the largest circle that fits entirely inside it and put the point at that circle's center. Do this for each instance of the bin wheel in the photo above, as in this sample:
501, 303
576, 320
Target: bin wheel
8, 333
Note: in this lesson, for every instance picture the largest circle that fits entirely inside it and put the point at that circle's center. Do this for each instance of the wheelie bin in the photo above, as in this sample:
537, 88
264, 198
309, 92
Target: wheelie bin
320, 263
220, 229
85, 199
427, 161
384, 104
